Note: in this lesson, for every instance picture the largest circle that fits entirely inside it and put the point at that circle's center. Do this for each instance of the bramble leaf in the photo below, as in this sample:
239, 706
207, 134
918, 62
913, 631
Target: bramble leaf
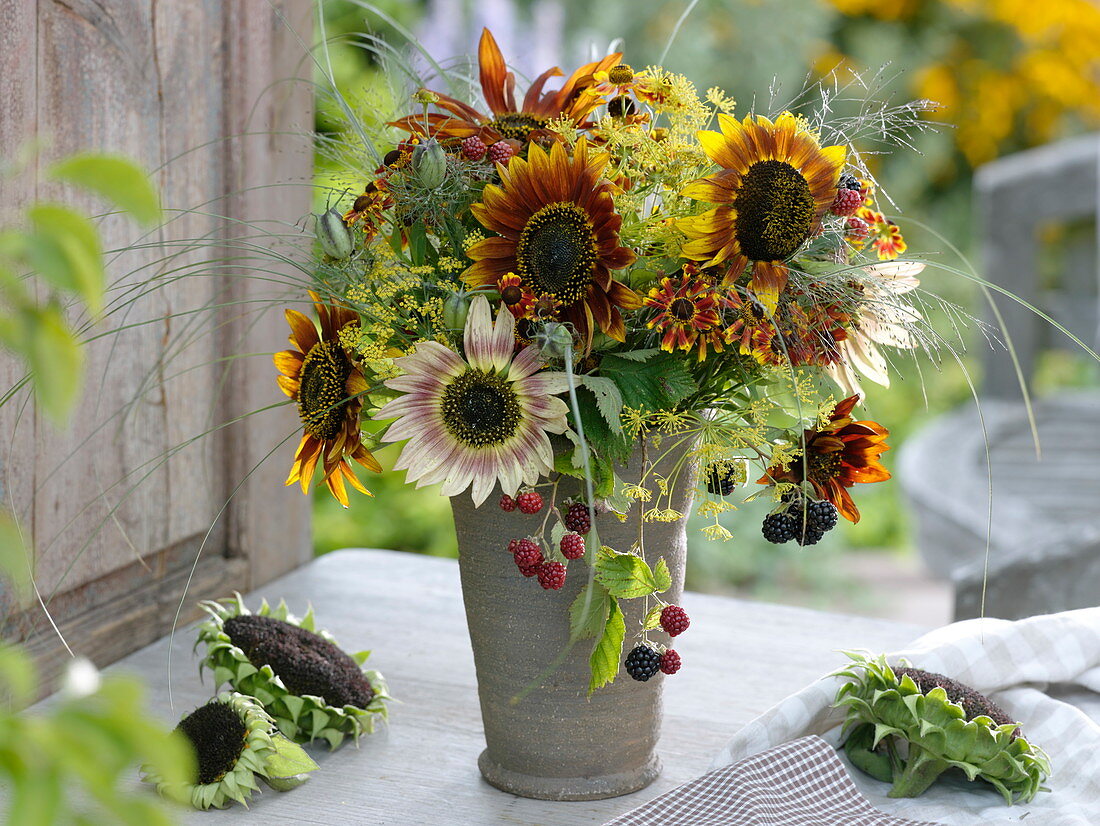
626, 576
604, 662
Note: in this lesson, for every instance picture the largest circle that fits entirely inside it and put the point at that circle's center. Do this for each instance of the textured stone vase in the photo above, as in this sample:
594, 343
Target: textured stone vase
556, 743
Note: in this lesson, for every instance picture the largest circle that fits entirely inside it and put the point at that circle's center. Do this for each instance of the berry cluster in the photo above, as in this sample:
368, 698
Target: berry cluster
528, 552
644, 661
805, 522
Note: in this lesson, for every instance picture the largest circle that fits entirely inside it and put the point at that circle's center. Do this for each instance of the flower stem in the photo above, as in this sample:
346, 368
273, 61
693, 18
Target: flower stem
919, 773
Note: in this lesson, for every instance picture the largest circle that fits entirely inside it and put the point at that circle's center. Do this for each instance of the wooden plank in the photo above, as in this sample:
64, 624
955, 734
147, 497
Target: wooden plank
269, 162
18, 128
740, 658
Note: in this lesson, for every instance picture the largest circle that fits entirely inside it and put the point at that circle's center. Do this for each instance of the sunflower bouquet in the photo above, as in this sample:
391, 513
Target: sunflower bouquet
525, 289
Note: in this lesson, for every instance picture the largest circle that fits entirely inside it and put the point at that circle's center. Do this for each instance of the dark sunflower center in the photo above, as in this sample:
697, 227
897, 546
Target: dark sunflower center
323, 395
511, 295
480, 409
557, 253
307, 663
682, 309
775, 211
217, 733
974, 703
752, 312
516, 125
824, 465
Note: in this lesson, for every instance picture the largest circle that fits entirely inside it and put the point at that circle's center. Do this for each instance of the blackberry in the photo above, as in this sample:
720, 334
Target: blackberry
507, 503
719, 482
577, 519
670, 662
642, 663
778, 528
529, 502
821, 515
551, 575
674, 620
528, 555
847, 202
848, 181
810, 537
572, 546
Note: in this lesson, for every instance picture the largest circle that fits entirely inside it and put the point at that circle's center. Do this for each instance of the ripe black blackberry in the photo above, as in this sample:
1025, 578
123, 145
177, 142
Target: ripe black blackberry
577, 518
821, 515
642, 662
719, 482
778, 528
809, 537
848, 181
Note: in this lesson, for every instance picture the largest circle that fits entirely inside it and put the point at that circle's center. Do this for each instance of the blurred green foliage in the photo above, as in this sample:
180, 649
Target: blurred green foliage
765, 54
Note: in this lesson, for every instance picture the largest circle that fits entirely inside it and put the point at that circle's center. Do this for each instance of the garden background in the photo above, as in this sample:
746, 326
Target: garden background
1009, 74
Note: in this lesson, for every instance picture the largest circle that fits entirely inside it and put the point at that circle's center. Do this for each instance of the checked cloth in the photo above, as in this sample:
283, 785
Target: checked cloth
1044, 671
801, 783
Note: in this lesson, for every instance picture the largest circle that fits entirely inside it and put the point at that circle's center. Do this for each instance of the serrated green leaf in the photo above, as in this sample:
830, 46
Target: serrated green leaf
656, 384
653, 618
607, 444
625, 576
588, 613
638, 355
662, 575
604, 662
116, 179
609, 400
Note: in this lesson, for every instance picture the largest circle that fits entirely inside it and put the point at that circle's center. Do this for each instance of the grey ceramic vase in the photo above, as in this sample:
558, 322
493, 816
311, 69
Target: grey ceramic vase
556, 743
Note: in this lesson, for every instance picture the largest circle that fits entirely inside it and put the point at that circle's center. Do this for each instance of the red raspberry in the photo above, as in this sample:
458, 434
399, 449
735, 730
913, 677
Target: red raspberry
674, 620
577, 518
551, 575
572, 546
670, 662
473, 148
501, 152
507, 503
857, 228
529, 502
846, 202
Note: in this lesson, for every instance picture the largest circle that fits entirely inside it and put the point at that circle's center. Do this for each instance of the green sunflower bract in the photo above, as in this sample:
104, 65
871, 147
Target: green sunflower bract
235, 741
908, 726
311, 688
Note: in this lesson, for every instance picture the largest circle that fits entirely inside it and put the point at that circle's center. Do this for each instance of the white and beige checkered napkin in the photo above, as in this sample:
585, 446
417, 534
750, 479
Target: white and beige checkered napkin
801, 783
1044, 671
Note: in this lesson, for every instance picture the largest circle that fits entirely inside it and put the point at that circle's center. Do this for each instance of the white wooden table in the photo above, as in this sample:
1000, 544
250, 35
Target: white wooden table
740, 658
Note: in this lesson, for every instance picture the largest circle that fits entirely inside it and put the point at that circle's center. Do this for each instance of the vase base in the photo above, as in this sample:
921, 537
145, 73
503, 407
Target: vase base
568, 788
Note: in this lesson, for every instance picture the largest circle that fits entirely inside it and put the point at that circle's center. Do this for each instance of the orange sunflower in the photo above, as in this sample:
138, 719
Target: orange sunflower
507, 119
838, 456
327, 386
775, 184
687, 315
557, 229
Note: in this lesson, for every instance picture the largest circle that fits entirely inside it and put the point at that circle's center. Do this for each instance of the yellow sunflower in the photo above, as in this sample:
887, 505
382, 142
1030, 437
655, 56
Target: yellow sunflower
557, 229
775, 184
327, 386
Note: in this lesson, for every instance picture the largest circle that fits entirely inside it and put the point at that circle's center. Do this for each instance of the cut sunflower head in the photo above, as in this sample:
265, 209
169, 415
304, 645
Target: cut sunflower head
775, 184
328, 387
311, 688
471, 422
235, 742
557, 229
908, 726
837, 456
508, 119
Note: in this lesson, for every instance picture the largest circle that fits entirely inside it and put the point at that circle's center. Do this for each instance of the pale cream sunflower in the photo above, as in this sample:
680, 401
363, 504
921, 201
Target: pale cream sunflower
474, 421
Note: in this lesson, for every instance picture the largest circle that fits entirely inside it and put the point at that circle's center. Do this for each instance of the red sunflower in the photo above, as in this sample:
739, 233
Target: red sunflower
837, 456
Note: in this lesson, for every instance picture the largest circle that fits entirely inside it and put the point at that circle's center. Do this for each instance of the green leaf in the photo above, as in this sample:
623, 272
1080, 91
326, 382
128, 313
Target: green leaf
653, 618
609, 400
55, 360
64, 250
638, 355
625, 576
116, 179
612, 446
662, 575
604, 662
588, 613
289, 765
656, 384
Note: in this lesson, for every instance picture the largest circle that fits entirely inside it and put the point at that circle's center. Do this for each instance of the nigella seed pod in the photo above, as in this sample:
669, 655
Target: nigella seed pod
555, 340
429, 162
334, 236
455, 310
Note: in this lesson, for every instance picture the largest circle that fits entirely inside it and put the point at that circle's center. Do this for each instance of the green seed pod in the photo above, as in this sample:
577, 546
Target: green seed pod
334, 235
429, 162
555, 340
455, 310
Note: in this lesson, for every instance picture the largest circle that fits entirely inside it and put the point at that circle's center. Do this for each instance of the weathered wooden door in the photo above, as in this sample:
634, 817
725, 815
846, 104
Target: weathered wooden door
203, 94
